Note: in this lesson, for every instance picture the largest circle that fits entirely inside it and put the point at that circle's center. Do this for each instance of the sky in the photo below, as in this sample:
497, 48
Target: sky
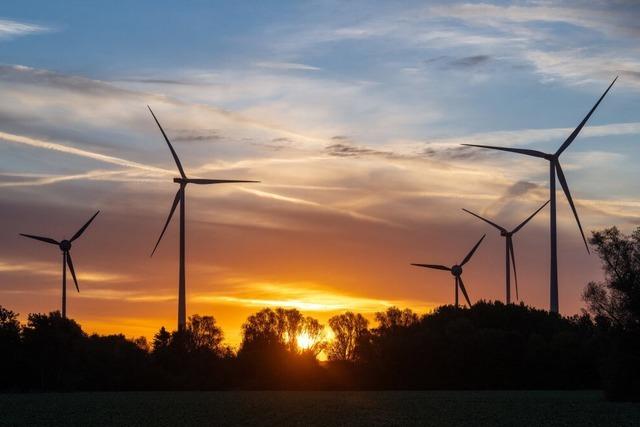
351, 114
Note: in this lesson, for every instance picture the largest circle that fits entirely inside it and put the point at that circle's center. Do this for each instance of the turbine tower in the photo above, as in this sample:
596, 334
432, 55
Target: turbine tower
65, 247
182, 181
509, 252
456, 272
555, 168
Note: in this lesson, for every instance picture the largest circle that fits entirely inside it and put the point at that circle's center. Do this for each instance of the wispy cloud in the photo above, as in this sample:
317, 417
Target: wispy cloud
51, 269
10, 29
286, 66
66, 148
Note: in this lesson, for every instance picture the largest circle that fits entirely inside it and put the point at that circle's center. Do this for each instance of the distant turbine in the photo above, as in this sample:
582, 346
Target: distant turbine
456, 271
554, 167
180, 198
509, 252
65, 247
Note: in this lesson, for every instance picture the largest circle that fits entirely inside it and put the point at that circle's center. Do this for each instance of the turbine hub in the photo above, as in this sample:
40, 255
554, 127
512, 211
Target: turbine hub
456, 270
65, 245
180, 180
503, 233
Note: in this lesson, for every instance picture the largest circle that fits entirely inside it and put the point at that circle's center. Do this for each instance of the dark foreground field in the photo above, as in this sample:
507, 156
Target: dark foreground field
446, 408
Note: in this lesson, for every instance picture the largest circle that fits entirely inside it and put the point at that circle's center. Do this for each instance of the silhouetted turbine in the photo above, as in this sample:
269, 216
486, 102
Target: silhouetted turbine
554, 167
180, 198
65, 247
456, 271
509, 252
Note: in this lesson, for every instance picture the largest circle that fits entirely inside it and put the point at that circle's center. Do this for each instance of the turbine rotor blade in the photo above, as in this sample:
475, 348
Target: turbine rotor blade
42, 239
513, 262
485, 220
434, 266
526, 152
471, 252
515, 230
577, 130
84, 227
166, 224
173, 152
565, 187
215, 181
73, 272
464, 291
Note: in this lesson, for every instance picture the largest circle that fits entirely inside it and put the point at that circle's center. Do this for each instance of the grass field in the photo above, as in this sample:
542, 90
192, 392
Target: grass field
446, 408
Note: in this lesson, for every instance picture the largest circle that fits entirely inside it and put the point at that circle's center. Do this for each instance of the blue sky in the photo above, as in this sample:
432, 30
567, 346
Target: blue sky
352, 115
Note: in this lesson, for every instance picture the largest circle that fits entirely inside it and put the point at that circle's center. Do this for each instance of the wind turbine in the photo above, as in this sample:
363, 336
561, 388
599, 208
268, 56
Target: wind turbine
65, 247
509, 252
456, 271
182, 181
554, 167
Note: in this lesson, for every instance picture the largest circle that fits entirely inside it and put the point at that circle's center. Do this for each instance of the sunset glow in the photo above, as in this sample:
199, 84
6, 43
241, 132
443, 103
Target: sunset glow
304, 341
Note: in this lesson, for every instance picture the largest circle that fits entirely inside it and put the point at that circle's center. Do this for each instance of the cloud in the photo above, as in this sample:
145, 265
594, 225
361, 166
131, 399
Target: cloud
529, 136
591, 15
65, 148
286, 66
51, 269
10, 29
580, 67
470, 61
196, 136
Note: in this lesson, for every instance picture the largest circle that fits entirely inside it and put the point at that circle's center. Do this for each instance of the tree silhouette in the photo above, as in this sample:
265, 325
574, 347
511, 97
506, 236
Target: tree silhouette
349, 330
53, 345
289, 326
269, 355
204, 333
618, 298
10, 345
615, 304
395, 318
161, 340
281, 328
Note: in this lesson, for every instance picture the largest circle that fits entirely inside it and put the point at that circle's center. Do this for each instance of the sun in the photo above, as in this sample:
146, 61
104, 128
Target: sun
304, 341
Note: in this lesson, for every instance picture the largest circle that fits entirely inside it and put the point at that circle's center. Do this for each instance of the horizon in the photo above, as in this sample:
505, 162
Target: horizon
352, 117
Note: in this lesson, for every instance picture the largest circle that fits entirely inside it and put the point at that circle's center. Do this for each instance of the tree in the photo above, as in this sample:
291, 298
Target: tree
53, 345
261, 327
617, 299
290, 323
283, 327
161, 340
348, 329
312, 332
9, 325
142, 343
10, 345
205, 334
395, 318
616, 303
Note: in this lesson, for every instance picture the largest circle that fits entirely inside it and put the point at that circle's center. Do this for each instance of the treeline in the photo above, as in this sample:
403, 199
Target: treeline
487, 346
490, 345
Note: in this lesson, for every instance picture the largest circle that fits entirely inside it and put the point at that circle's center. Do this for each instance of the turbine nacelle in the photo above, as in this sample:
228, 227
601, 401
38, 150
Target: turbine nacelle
456, 270
65, 246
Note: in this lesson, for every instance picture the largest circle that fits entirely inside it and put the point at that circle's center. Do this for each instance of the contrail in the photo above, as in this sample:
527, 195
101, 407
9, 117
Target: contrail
38, 143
